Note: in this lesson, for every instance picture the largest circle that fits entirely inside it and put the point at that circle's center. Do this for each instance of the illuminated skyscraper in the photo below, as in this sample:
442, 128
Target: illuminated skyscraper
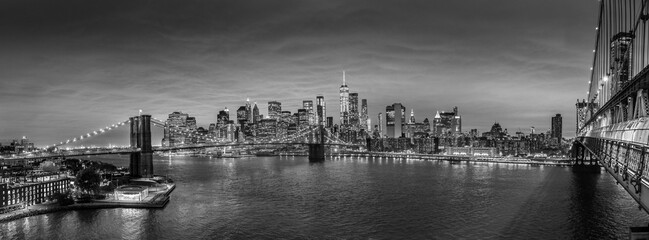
412, 116
176, 124
447, 123
274, 109
556, 127
381, 123
255, 114
354, 117
302, 118
395, 119
365, 120
308, 106
242, 115
321, 110
249, 116
344, 103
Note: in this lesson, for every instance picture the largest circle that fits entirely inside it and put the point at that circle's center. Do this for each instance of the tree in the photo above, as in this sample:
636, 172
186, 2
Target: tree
64, 198
88, 180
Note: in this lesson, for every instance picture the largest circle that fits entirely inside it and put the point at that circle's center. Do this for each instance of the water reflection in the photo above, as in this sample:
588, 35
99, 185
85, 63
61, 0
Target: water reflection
356, 197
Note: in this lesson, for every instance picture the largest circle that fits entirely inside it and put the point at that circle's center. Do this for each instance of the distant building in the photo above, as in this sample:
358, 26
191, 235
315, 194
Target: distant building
176, 127
344, 102
447, 123
556, 127
365, 120
321, 111
414, 129
380, 124
255, 114
496, 132
30, 193
330, 122
395, 119
308, 106
249, 117
302, 118
354, 117
267, 129
242, 115
274, 109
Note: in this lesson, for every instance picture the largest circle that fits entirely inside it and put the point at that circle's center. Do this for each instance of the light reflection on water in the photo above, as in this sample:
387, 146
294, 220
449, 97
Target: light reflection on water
356, 197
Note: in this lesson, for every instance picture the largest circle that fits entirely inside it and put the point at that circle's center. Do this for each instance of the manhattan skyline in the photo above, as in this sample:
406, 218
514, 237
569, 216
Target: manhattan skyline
69, 67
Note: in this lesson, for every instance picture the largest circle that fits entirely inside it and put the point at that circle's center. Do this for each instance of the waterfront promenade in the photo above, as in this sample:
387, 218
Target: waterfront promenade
156, 201
561, 162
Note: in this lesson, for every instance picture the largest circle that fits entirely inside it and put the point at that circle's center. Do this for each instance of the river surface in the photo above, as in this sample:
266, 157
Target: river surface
290, 198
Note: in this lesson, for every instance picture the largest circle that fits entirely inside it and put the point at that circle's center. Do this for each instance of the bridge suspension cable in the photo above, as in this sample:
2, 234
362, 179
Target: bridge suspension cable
90, 134
620, 50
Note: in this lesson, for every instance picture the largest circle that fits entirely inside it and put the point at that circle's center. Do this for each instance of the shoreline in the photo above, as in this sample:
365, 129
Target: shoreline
40, 209
453, 158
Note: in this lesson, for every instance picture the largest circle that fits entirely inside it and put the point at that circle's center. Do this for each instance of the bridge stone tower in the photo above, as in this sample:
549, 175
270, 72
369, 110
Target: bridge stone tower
317, 150
141, 164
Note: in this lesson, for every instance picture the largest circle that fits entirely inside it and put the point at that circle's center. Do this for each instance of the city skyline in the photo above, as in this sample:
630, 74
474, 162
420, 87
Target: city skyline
82, 71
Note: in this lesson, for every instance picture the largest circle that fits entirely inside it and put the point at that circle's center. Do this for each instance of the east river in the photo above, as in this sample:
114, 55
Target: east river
290, 198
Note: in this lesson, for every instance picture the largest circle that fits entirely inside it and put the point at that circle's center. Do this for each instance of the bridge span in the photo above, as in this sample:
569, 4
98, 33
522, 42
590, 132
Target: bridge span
612, 129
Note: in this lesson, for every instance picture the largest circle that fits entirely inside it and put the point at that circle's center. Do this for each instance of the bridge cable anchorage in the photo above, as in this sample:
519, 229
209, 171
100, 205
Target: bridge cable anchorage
90, 134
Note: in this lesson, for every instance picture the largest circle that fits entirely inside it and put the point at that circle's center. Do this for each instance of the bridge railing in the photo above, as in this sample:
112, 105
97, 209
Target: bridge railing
625, 158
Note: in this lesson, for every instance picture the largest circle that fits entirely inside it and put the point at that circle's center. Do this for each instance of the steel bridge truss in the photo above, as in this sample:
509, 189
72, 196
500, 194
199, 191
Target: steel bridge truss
625, 161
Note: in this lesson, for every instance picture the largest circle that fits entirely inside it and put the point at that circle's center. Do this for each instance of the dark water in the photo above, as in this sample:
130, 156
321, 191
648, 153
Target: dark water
289, 198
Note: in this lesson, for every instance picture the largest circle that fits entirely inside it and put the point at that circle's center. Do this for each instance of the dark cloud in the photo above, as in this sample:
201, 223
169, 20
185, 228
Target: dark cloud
69, 66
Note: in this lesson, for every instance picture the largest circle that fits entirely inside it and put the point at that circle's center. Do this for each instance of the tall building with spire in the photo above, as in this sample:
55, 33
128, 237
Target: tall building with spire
255, 114
321, 110
446, 123
412, 115
344, 102
249, 116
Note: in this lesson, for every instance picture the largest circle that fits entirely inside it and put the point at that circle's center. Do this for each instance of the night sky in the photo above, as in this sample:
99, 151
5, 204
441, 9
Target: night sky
67, 67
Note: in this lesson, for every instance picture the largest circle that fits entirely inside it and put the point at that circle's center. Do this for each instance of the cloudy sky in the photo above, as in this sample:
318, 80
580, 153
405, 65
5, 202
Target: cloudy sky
70, 66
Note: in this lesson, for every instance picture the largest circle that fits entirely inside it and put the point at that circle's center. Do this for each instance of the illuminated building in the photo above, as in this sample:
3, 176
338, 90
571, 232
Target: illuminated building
176, 125
308, 106
191, 123
222, 121
344, 102
395, 119
302, 118
321, 110
380, 124
255, 114
354, 116
242, 115
274, 109
267, 129
330, 122
131, 193
249, 117
28, 194
556, 127
447, 123
414, 129
364, 117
